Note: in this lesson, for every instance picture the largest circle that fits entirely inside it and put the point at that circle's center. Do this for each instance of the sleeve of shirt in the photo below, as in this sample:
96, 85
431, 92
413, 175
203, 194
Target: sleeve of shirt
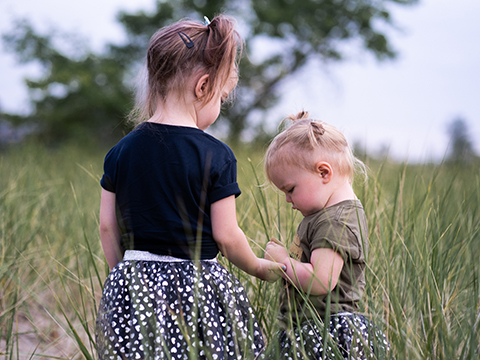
336, 236
109, 172
224, 183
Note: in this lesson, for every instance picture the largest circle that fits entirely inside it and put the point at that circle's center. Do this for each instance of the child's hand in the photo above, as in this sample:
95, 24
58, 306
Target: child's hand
275, 251
270, 271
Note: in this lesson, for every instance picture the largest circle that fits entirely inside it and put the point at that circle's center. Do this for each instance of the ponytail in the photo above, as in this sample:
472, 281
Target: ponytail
183, 50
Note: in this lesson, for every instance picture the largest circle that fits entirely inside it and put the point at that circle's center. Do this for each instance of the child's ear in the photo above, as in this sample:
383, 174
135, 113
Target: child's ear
201, 86
325, 171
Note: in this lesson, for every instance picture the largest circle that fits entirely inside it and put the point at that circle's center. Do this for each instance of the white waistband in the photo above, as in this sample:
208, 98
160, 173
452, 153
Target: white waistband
148, 256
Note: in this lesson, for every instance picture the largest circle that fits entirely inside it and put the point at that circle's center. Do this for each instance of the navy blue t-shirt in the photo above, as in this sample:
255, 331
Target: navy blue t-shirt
165, 179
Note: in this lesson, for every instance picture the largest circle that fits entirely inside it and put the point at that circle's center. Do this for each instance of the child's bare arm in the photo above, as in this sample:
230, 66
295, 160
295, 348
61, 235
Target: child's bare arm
233, 243
328, 265
109, 230
317, 277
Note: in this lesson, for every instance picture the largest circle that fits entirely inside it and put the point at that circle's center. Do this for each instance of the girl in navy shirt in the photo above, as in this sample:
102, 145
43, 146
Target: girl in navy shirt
168, 207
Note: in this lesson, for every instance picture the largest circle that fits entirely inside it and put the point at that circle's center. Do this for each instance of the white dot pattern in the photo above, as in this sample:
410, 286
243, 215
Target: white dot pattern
175, 310
351, 336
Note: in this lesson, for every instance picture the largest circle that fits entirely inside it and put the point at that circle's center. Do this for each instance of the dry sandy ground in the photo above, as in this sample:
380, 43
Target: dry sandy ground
45, 339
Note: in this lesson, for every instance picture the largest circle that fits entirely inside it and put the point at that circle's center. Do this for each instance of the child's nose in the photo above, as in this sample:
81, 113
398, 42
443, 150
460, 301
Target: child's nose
288, 198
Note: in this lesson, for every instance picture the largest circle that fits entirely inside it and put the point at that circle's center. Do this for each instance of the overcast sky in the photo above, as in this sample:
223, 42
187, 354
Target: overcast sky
404, 104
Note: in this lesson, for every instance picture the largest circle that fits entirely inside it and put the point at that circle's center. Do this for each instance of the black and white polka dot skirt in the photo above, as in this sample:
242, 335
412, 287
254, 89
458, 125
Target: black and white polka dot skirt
175, 309
346, 336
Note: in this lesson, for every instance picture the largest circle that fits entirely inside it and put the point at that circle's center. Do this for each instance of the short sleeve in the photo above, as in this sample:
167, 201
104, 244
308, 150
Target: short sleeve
109, 171
224, 182
336, 233
338, 238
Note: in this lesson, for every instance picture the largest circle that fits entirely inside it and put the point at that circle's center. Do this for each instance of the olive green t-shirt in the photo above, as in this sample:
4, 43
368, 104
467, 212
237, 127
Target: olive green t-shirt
343, 228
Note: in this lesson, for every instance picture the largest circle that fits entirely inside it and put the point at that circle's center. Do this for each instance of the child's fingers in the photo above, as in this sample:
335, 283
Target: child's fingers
276, 272
277, 267
274, 275
271, 271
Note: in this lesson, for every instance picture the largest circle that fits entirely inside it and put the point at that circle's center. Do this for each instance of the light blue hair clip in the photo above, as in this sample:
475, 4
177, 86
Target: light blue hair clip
207, 21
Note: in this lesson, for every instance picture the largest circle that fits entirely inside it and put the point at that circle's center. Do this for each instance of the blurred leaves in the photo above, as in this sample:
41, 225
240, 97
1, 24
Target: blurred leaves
83, 94
77, 96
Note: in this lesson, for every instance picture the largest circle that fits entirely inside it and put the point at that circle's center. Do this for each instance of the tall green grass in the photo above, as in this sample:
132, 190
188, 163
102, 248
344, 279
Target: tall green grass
50, 258
422, 275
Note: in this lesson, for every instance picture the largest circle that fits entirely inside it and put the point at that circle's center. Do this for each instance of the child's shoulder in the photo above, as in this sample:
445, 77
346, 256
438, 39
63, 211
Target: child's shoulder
219, 148
348, 213
336, 211
212, 139
152, 135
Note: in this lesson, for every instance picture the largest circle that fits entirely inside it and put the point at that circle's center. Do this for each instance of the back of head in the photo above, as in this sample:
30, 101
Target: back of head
308, 141
184, 50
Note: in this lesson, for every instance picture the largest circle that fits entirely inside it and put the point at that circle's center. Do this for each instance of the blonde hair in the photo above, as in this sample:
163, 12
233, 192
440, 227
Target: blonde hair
185, 49
306, 142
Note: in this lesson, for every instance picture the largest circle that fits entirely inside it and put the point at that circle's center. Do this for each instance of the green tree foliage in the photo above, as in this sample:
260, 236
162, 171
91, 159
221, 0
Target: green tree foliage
92, 91
82, 95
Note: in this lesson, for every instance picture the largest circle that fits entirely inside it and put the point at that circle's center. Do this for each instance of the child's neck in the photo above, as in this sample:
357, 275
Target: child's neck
174, 112
341, 190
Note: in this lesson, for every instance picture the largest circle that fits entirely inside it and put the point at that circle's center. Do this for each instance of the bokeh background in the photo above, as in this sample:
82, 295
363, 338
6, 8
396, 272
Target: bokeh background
402, 106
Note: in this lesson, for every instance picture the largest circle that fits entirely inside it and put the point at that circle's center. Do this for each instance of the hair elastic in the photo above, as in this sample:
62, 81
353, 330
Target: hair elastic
318, 127
188, 42
207, 21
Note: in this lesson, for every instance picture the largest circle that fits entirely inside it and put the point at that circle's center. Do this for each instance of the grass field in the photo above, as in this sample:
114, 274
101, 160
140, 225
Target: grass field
422, 275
